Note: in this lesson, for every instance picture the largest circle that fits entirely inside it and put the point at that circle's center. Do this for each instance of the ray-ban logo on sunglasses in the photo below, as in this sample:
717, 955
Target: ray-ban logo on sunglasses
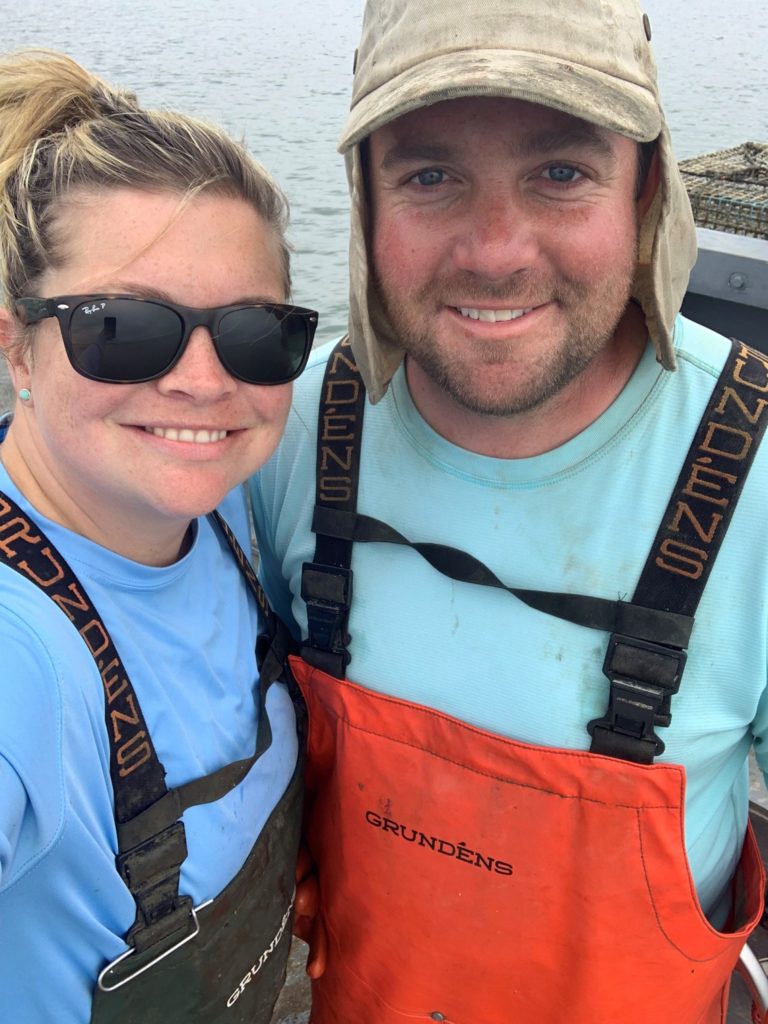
96, 307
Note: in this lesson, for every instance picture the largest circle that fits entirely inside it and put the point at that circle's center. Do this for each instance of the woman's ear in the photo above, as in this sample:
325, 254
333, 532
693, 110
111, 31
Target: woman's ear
12, 351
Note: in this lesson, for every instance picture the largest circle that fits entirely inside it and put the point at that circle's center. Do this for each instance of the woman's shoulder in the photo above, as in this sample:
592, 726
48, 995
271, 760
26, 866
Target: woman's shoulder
46, 671
37, 656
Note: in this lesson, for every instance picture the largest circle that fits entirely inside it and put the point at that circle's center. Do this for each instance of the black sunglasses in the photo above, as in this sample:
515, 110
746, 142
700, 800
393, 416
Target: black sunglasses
121, 339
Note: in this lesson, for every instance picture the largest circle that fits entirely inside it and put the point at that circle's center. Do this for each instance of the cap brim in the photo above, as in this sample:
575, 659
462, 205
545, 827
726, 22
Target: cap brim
617, 104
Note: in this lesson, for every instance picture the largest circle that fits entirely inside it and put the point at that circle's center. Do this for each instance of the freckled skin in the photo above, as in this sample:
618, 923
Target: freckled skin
79, 450
504, 205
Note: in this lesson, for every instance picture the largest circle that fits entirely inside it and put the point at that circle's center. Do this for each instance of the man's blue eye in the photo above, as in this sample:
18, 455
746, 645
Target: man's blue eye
430, 177
562, 174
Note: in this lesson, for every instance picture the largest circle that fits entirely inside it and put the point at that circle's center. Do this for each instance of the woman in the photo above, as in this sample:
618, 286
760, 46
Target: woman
149, 786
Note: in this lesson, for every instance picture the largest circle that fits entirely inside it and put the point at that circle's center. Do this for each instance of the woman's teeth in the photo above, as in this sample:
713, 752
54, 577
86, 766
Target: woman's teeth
196, 436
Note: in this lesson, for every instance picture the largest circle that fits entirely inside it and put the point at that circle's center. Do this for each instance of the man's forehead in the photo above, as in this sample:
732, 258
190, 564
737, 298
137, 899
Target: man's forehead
528, 128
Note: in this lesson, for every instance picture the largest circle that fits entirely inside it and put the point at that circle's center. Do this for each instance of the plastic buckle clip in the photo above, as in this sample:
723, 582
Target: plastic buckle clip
632, 711
327, 593
643, 677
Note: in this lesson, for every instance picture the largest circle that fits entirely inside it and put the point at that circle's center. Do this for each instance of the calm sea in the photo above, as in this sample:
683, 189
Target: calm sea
278, 75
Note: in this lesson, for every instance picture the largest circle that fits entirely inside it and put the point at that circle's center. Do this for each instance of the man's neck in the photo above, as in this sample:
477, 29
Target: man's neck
547, 426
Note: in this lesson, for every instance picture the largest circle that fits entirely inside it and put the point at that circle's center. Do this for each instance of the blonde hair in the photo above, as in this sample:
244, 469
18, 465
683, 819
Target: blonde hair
64, 129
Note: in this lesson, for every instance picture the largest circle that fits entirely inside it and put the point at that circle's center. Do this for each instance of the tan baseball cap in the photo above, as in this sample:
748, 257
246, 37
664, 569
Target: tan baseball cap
588, 58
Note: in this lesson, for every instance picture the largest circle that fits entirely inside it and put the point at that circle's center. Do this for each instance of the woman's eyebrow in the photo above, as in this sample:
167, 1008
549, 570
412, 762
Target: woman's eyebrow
144, 291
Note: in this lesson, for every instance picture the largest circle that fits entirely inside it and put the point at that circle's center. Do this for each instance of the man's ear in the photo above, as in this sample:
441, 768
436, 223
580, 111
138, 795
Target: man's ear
650, 186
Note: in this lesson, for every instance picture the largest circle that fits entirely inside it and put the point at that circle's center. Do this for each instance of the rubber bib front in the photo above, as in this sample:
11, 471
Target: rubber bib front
472, 879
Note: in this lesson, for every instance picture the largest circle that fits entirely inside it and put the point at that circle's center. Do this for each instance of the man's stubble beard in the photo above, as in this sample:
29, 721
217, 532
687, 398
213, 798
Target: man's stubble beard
590, 328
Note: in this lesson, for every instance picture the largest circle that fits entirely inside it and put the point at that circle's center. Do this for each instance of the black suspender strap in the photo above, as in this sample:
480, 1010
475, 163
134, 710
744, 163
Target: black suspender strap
649, 635
326, 583
274, 645
151, 838
593, 612
644, 676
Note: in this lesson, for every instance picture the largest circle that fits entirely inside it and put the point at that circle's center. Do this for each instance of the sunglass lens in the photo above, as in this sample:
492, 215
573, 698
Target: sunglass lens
124, 340
263, 345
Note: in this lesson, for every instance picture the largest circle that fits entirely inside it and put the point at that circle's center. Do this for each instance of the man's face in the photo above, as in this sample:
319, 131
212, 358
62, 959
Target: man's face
504, 245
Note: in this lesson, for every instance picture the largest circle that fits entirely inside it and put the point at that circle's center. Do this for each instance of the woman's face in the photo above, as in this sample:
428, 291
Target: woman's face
108, 458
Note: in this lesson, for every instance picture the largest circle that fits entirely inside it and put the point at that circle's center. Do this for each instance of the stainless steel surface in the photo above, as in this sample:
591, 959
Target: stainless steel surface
733, 268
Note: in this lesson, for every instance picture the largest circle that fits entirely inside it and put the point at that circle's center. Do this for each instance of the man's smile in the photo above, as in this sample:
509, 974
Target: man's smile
493, 315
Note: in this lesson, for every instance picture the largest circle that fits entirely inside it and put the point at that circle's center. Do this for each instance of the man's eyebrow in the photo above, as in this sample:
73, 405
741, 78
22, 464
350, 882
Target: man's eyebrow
409, 151
543, 143
546, 143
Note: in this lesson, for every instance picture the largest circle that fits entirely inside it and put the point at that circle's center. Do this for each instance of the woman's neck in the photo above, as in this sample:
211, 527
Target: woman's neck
150, 541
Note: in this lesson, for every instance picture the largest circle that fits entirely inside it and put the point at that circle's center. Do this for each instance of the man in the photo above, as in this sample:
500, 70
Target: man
501, 833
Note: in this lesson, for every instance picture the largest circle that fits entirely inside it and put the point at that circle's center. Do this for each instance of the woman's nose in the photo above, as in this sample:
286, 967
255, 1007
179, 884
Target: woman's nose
199, 373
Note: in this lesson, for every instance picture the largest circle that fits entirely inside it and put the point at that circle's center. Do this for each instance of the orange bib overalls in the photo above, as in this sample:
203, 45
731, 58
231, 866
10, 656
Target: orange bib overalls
471, 879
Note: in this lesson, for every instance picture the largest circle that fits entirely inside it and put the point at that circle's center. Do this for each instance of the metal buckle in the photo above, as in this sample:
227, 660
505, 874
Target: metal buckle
130, 952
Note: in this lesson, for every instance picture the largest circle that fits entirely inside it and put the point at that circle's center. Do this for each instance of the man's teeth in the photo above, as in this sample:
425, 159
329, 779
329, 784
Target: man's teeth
492, 316
196, 436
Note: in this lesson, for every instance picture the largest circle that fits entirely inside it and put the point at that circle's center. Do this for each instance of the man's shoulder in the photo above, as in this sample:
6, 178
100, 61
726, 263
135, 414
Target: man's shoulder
312, 376
701, 355
699, 349
307, 392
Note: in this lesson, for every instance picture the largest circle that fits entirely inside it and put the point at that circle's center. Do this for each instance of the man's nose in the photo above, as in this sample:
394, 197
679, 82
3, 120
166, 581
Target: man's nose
498, 235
